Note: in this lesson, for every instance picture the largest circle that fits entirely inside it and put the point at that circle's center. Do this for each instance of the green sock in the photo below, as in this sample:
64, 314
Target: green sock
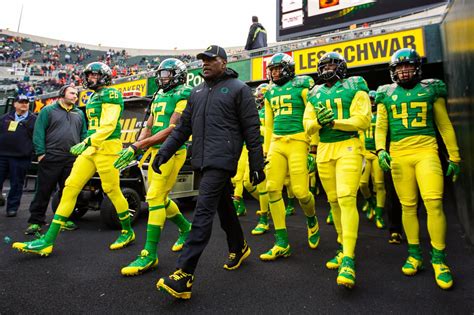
414, 250
291, 202
54, 228
311, 221
181, 222
281, 237
124, 218
378, 212
153, 233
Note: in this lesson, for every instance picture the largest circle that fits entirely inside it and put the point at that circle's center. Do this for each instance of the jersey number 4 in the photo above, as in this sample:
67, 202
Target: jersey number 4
418, 121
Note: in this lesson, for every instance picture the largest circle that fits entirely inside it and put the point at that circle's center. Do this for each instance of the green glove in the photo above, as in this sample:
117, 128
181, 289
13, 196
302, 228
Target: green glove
325, 116
311, 163
125, 157
80, 147
385, 160
453, 169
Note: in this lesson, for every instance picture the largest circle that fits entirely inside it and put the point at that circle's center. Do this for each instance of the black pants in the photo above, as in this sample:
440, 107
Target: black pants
52, 171
15, 169
392, 206
215, 191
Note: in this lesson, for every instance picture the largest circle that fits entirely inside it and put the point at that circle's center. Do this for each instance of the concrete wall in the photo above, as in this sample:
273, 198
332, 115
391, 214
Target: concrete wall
458, 42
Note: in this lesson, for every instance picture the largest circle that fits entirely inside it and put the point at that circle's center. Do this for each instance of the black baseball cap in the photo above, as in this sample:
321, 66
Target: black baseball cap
22, 98
212, 52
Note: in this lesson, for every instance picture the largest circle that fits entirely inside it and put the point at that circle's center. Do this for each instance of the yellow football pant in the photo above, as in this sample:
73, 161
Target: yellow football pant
238, 179
83, 169
288, 155
289, 191
421, 170
312, 176
373, 170
160, 186
340, 179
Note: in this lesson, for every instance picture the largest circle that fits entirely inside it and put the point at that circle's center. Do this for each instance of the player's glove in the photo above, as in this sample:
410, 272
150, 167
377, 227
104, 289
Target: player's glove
256, 177
454, 170
311, 163
125, 157
80, 147
385, 160
157, 162
325, 116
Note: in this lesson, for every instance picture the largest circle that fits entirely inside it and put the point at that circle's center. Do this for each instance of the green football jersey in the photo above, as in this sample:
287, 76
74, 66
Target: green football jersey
338, 98
410, 112
369, 135
164, 105
288, 105
106, 95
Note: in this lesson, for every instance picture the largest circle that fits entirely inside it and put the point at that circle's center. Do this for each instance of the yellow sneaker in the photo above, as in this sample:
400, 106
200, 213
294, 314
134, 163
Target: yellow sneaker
275, 252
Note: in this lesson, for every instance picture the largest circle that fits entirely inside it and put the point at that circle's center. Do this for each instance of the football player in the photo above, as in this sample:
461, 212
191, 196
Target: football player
372, 170
338, 110
286, 144
408, 110
166, 111
96, 153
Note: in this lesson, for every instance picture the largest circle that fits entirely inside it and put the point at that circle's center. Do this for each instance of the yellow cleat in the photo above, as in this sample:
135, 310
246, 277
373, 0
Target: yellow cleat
443, 276
313, 236
275, 252
39, 247
125, 238
346, 276
412, 266
143, 263
335, 262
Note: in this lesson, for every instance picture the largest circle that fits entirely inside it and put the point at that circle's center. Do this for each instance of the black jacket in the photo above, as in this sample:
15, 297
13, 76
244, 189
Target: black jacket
220, 115
17, 143
257, 37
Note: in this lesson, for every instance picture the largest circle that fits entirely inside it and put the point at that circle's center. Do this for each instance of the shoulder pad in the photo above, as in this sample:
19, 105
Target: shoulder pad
303, 81
184, 91
356, 83
383, 91
438, 86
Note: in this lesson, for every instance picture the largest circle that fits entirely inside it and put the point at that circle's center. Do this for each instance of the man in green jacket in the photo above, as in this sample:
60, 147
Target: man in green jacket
59, 126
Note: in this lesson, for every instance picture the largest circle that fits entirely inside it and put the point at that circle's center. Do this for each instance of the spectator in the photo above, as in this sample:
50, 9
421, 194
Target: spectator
16, 148
59, 126
217, 144
257, 37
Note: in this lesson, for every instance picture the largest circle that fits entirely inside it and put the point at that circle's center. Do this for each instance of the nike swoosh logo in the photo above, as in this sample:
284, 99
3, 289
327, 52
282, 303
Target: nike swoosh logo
197, 91
189, 284
34, 246
421, 94
339, 91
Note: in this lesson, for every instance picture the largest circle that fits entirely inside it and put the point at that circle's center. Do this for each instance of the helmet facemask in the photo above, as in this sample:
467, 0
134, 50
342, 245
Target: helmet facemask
170, 74
104, 77
336, 72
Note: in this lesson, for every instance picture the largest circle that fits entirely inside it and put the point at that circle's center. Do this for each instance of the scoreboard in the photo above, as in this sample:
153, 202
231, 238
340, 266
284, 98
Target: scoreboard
302, 18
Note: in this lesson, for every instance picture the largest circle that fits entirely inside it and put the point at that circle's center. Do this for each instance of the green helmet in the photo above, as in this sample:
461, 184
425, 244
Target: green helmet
332, 57
173, 71
105, 75
372, 94
287, 65
405, 56
260, 94
311, 163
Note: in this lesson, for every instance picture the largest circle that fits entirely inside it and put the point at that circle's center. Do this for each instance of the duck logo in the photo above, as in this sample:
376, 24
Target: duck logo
85, 97
224, 90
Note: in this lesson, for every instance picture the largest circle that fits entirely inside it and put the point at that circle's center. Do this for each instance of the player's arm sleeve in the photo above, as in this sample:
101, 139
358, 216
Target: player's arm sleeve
360, 114
446, 129
180, 106
381, 127
39, 132
108, 122
362, 139
268, 127
310, 123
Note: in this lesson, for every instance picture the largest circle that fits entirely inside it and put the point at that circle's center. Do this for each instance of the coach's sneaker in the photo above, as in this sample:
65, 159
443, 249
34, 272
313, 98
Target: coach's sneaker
395, 238
262, 225
290, 207
32, 229
39, 246
346, 276
143, 263
414, 262
313, 232
281, 248
235, 259
125, 238
335, 262
329, 219
443, 275
178, 245
178, 284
